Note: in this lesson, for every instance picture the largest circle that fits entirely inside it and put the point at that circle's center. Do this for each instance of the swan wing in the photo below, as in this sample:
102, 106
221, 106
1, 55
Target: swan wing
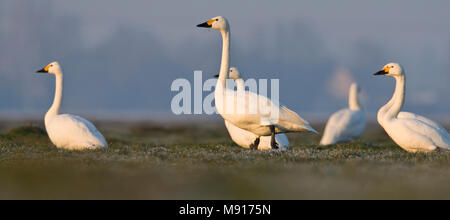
405, 115
438, 137
344, 125
72, 130
243, 111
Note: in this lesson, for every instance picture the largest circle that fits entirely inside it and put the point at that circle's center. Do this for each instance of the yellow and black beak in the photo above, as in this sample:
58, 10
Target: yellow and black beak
207, 24
43, 70
384, 71
379, 73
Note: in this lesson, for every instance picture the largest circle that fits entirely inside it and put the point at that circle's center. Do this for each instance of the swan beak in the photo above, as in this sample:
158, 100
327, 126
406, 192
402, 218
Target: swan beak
216, 76
381, 72
384, 71
42, 71
207, 24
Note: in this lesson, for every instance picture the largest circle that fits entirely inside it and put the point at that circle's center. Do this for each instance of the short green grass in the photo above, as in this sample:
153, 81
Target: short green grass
199, 161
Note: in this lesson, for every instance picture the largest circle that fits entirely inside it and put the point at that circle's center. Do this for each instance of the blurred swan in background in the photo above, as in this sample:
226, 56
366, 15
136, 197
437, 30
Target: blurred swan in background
278, 119
245, 138
411, 132
347, 124
69, 131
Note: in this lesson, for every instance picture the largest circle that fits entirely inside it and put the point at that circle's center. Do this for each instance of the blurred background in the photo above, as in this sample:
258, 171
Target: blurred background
120, 57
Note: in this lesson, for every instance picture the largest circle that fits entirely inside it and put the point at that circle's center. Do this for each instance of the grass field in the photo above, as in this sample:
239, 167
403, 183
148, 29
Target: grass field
199, 161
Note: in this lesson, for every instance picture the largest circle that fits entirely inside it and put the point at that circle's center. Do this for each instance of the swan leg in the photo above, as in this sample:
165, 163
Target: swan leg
273, 142
255, 144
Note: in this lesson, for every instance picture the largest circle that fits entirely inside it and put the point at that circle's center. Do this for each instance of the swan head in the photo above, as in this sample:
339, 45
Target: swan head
52, 68
391, 69
355, 88
218, 23
234, 73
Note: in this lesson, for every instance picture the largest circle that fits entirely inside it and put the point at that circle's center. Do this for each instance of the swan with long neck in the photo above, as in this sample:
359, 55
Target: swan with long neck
347, 124
411, 132
245, 138
407, 115
69, 131
278, 119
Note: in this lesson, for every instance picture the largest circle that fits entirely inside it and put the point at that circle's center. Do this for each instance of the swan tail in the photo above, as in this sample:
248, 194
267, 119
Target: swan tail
309, 128
298, 123
294, 116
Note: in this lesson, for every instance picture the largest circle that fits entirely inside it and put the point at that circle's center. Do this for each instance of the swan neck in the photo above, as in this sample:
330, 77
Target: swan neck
353, 100
398, 99
225, 63
240, 85
54, 109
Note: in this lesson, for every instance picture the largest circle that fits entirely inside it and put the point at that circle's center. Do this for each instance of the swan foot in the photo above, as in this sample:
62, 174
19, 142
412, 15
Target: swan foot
273, 142
255, 144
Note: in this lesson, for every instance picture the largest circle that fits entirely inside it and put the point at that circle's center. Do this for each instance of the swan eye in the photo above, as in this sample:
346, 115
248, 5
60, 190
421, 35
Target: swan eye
217, 19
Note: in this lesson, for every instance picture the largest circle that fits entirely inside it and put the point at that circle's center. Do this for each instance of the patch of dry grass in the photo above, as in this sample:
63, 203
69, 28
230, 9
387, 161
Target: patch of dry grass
151, 161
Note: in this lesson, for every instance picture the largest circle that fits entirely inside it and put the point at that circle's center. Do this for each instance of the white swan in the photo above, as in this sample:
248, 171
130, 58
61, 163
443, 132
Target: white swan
69, 131
346, 124
245, 138
278, 119
411, 132
409, 115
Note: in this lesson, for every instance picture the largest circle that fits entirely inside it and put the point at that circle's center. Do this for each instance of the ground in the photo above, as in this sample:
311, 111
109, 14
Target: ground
199, 161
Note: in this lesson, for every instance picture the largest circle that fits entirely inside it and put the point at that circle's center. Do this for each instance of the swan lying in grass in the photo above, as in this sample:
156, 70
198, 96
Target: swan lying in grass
245, 138
278, 119
347, 124
69, 131
411, 132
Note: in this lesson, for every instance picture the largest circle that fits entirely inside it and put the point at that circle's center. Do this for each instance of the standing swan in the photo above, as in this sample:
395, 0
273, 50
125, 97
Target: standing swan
346, 124
276, 119
411, 132
69, 131
245, 138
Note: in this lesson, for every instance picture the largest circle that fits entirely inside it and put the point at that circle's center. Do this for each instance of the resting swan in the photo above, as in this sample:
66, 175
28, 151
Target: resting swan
245, 138
346, 124
411, 132
69, 131
278, 119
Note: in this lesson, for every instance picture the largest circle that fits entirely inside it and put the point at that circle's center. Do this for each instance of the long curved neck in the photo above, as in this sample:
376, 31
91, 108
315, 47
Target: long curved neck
225, 64
398, 99
54, 109
383, 110
353, 101
240, 85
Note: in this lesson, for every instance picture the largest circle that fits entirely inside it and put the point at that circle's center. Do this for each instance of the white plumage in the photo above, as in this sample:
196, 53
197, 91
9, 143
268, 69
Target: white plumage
413, 133
347, 124
69, 131
240, 110
245, 138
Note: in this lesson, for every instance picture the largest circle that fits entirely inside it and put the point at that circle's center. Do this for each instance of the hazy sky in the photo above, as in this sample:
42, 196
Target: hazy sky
121, 56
